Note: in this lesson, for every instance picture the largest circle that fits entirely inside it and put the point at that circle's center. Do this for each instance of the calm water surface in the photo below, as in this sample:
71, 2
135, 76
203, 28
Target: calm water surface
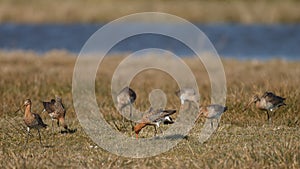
230, 40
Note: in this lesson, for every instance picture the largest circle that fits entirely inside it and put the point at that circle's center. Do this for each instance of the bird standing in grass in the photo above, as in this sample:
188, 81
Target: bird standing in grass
125, 97
32, 120
56, 110
154, 118
211, 112
268, 102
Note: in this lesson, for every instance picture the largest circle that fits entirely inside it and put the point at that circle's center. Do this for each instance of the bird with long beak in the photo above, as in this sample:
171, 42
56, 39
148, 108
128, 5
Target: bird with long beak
32, 120
154, 118
213, 111
56, 110
268, 102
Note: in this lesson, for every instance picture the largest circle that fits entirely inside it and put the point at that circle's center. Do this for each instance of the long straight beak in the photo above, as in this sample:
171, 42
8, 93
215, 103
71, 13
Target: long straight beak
248, 105
18, 110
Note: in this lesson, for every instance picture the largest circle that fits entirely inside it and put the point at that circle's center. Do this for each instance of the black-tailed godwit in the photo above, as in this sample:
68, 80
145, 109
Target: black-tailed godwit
32, 120
268, 102
56, 110
211, 112
154, 118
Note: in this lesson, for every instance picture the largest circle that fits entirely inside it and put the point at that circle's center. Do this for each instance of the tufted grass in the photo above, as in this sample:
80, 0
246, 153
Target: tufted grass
243, 139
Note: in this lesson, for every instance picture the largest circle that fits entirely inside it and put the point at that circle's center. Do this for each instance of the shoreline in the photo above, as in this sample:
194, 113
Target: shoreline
68, 54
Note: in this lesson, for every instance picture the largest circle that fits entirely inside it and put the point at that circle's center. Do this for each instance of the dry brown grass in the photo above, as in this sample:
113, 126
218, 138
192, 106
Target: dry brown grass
91, 11
243, 140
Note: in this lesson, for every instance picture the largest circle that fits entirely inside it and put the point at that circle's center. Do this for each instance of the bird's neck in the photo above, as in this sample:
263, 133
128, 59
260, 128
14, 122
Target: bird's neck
28, 110
259, 103
139, 127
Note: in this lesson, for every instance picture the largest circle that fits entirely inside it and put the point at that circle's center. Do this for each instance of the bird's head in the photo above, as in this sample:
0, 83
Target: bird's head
255, 99
27, 102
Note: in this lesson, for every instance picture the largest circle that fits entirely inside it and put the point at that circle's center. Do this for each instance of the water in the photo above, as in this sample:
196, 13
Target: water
230, 40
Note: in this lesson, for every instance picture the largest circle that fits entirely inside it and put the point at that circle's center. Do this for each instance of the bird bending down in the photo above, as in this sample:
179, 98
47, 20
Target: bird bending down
211, 112
187, 94
125, 97
154, 118
32, 120
56, 110
268, 102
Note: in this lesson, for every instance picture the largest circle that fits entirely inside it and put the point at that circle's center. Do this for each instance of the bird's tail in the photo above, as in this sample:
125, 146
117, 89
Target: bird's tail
282, 104
44, 125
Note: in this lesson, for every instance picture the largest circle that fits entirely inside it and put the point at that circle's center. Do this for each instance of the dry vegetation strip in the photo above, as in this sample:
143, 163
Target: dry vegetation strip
91, 11
242, 141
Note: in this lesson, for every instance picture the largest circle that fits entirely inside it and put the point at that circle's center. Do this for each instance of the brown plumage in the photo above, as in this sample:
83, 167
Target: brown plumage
56, 110
268, 102
154, 118
32, 120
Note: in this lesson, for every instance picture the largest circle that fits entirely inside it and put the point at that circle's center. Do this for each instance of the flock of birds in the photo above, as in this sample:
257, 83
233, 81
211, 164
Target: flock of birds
268, 102
56, 111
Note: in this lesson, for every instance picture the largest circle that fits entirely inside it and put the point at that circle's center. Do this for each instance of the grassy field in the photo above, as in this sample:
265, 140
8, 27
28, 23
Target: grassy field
92, 11
243, 140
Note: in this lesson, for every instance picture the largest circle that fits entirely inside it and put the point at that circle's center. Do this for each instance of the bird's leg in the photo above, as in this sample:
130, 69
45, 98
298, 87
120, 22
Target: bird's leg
218, 120
211, 123
130, 106
131, 116
160, 130
155, 130
52, 126
28, 131
269, 118
123, 118
40, 138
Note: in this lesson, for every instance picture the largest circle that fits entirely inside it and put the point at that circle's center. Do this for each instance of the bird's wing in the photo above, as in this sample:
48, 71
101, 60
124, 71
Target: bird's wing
49, 107
39, 120
59, 108
161, 114
272, 98
132, 95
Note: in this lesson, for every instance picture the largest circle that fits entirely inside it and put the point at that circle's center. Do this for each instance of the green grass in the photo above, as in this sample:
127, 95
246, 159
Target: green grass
94, 11
243, 139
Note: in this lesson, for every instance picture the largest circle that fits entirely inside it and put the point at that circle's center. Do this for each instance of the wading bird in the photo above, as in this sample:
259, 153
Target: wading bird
56, 110
268, 102
187, 94
32, 120
154, 118
125, 97
211, 112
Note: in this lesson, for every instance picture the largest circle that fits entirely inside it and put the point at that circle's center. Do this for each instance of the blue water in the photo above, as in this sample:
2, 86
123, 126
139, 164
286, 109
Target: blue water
230, 40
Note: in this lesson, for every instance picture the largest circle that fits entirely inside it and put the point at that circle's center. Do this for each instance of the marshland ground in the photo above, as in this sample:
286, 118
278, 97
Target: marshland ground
94, 11
243, 139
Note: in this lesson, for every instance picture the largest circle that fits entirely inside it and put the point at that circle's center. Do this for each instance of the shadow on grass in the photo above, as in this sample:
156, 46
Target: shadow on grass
171, 137
69, 131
